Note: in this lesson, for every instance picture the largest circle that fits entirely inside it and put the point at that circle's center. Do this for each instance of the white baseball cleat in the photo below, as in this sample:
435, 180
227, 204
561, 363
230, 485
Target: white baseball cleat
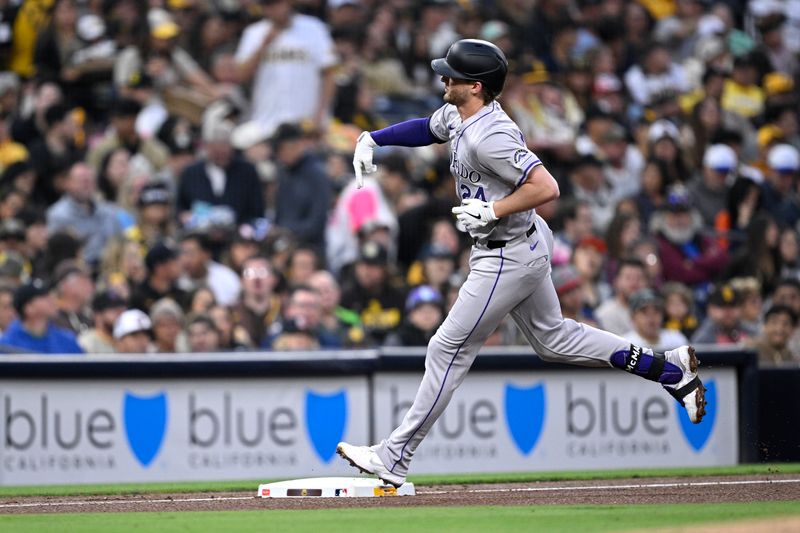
366, 460
689, 391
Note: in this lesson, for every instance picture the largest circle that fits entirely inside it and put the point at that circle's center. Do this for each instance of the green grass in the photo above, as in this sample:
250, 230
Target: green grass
522, 477
585, 518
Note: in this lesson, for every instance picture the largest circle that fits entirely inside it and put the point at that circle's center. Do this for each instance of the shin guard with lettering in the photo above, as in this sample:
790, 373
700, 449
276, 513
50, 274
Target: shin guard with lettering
647, 364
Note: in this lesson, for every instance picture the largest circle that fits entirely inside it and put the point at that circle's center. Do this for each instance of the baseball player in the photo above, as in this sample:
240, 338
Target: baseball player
500, 183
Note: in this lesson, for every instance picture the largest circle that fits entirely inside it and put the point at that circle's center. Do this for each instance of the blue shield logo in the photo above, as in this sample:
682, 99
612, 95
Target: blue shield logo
697, 434
145, 425
326, 418
525, 408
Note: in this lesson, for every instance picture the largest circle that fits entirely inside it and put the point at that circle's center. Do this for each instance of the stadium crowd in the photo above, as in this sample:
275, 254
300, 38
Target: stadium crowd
175, 175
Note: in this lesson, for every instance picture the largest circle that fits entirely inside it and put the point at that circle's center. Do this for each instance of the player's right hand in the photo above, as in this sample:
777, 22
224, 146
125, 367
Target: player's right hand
362, 158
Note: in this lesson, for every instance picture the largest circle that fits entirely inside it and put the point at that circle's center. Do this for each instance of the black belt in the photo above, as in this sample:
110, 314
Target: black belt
493, 245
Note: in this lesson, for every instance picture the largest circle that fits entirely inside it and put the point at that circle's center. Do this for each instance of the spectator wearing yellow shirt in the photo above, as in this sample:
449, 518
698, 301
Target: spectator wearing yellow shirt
741, 93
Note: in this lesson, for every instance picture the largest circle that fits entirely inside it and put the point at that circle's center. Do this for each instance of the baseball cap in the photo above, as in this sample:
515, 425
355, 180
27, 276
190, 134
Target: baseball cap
644, 298
28, 292
107, 299
720, 157
424, 294
12, 228
12, 264
783, 158
131, 321
160, 253
247, 135
287, 132
724, 295
663, 128
374, 253
153, 194
678, 199
565, 278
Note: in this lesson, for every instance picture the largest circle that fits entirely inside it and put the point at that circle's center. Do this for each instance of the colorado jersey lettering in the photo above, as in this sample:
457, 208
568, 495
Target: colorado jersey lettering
488, 159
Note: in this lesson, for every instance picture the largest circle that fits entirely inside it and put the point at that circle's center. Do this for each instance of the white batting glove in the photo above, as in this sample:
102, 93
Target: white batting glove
475, 214
362, 158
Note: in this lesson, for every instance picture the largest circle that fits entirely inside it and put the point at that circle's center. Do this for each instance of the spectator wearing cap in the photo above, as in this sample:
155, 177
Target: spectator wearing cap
647, 312
373, 294
742, 94
295, 336
19, 176
709, 189
168, 321
665, 144
203, 335
304, 188
153, 216
123, 134
780, 186
424, 313
614, 314
73, 290
7, 311
133, 331
54, 154
79, 211
723, 324
199, 269
106, 307
163, 273
258, 306
589, 185
773, 344
13, 236
278, 50
335, 320
623, 162
220, 179
687, 255
34, 330
568, 284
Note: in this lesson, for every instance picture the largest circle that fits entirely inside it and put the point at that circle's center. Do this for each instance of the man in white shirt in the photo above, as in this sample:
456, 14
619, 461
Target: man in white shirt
290, 58
200, 270
647, 311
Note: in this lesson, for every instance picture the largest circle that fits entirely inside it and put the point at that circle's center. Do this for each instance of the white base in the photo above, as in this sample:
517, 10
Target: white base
333, 487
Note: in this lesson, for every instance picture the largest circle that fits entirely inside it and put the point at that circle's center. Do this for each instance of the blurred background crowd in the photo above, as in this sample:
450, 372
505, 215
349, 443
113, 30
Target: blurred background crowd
175, 175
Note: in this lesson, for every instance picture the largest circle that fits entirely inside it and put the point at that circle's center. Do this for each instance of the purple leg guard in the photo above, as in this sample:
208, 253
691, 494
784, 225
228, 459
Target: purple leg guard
647, 364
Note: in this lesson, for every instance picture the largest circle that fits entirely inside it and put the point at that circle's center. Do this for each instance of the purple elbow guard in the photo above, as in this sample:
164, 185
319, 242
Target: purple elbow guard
647, 364
415, 132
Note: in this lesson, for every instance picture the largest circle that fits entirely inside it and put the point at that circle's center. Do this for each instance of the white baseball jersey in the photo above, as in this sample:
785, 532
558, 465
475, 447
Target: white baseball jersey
489, 160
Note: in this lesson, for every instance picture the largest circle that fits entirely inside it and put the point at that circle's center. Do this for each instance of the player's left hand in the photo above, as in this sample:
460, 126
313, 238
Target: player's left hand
475, 214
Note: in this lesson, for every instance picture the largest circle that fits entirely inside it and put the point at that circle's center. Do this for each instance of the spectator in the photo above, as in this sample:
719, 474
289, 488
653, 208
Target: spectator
437, 264
74, 289
54, 154
723, 325
92, 220
154, 215
7, 312
752, 301
378, 302
567, 282
614, 314
780, 322
304, 308
163, 273
167, 322
258, 306
107, 306
647, 312
590, 186
574, 220
132, 332
304, 188
123, 134
679, 309
741, 93
709, 191
14, 269
203, 334
687, 255
656, 74
780, 187
232, 336
623, 230
424, 313
34, 331
276, 52
201, 300
336, 321
222, 180
200, 270
758, 257
303, 262
789, 250
588, 260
